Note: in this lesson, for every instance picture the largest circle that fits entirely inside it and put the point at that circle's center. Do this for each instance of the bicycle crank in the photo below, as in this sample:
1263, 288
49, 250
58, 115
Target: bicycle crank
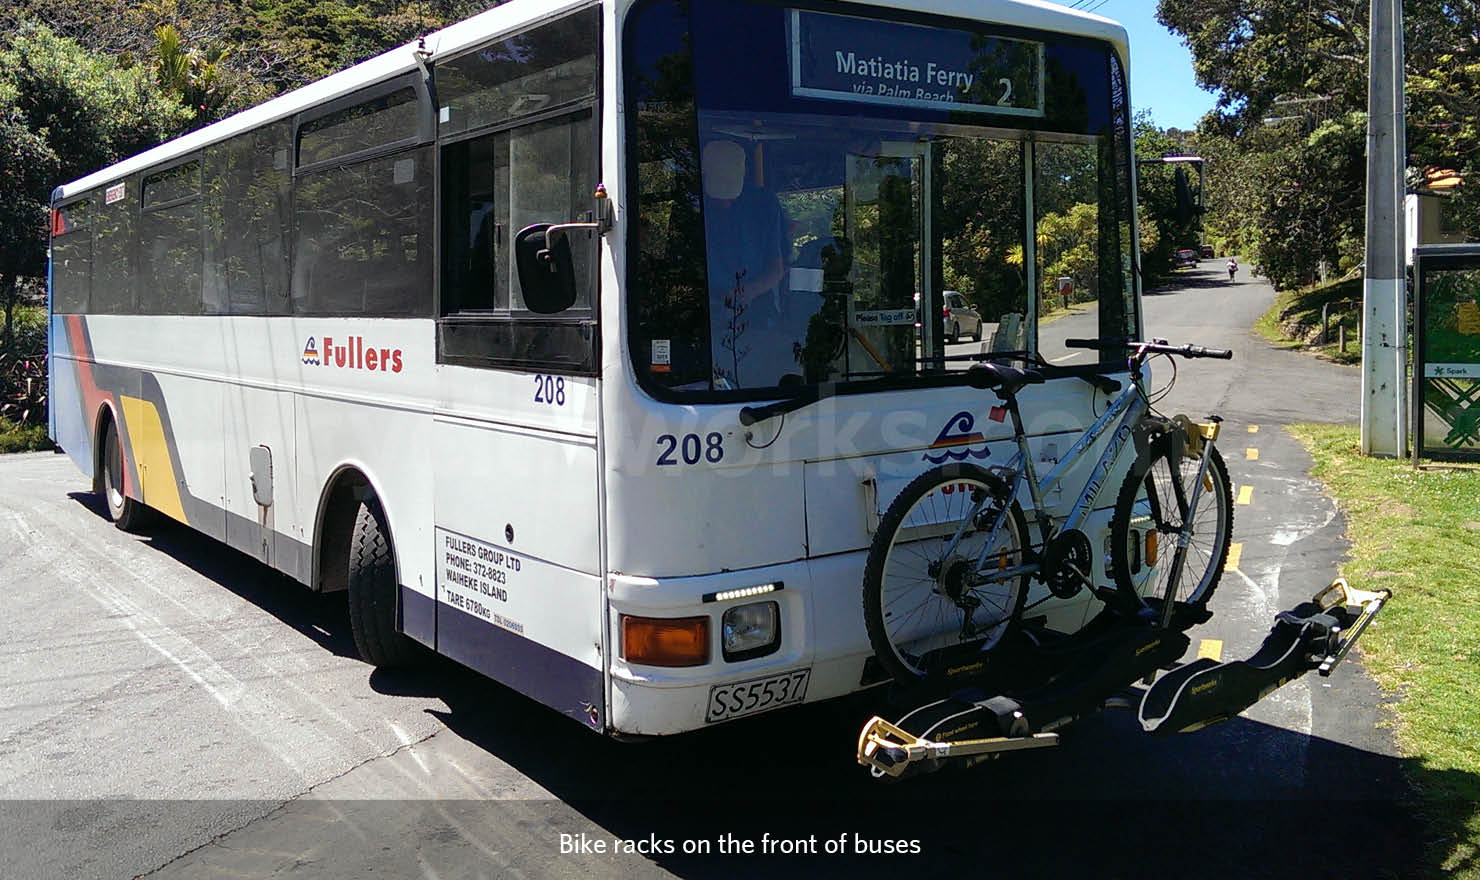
1068, 563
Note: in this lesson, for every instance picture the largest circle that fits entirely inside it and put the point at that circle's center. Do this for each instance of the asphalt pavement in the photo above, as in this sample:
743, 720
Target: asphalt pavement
169, 708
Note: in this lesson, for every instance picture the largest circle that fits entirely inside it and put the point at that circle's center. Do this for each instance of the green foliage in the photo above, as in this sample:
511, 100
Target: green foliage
1287, 169
22, 438
1068, 246
1166, 225
63, 113
1293, 320
89, 110
980, 221
28, 166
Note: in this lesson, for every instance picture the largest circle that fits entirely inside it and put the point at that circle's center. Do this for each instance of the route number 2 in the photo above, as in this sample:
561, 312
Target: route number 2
549, 390
691, 448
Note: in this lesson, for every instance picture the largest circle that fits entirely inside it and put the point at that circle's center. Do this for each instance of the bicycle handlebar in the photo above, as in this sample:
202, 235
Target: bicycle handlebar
1187, 351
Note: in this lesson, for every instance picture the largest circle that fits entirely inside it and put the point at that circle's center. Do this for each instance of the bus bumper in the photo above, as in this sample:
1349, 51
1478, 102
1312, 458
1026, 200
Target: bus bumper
820, 656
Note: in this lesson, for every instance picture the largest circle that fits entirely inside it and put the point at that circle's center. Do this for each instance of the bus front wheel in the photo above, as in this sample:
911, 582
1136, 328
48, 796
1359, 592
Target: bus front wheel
372, 591
126, 513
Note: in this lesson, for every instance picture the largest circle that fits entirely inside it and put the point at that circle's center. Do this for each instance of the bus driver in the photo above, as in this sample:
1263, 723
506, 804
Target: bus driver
747, 250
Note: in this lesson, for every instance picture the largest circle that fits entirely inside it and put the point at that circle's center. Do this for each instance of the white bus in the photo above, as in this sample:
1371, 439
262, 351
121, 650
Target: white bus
323, 331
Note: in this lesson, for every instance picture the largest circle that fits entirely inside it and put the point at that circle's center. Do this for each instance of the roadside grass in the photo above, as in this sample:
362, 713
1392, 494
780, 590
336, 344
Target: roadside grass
22, 438
1294, 320
1415, 532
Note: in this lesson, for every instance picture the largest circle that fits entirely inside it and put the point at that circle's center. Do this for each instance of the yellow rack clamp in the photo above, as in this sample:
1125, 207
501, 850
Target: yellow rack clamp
889, 750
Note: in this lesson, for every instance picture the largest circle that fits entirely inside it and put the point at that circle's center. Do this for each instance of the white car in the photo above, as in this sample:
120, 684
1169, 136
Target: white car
958, 316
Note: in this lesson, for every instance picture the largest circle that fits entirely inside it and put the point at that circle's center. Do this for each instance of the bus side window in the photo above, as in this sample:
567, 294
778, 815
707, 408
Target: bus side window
115, 264
248, 182
501, 174
71, 258
169, 242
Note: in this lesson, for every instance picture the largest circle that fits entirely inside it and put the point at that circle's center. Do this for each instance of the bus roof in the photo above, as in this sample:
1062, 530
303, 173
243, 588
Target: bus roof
510, 16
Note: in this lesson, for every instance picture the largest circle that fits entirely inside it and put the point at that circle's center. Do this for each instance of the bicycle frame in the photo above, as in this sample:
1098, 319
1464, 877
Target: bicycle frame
1128, 408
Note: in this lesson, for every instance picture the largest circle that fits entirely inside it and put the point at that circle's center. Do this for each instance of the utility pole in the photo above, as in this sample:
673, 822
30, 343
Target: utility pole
1384, 292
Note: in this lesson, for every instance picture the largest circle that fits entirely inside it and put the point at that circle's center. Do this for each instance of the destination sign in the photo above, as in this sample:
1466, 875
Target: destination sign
845, 58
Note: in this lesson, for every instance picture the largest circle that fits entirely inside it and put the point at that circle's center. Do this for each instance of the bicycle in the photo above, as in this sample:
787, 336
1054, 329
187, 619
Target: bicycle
949, 567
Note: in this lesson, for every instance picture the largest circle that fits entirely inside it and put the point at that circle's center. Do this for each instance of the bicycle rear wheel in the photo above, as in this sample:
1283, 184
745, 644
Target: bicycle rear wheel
1149, 514
920, 595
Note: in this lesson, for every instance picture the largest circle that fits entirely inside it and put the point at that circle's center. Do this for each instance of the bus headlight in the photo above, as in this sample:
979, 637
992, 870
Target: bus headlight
751, 630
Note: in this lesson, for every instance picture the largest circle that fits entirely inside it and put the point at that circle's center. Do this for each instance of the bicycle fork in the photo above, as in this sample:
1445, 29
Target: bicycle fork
1184, 535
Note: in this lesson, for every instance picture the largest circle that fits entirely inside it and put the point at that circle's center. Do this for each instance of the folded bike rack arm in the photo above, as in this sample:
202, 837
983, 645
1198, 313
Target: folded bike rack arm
1371, 602
889, 750
1316, 635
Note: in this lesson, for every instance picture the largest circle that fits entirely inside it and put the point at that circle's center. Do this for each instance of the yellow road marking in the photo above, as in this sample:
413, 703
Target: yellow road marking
1245, 494
1253, 429
1235, 555
1211, 649
1251, 454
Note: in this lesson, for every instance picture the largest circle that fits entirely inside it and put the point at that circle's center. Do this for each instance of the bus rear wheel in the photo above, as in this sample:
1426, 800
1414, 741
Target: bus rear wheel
126, 513
372, 591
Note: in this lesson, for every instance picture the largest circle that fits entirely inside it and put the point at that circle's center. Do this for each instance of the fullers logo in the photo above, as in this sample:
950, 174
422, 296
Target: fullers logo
958, 432
352, 354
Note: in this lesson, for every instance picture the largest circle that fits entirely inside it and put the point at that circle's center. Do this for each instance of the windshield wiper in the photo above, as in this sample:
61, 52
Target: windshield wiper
749, 415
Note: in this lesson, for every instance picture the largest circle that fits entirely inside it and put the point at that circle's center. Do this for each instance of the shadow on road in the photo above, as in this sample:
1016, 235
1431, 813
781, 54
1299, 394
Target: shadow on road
1241, 799
321, 617
1198, 279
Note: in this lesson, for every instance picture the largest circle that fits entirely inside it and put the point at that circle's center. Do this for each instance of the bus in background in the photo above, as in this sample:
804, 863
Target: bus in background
466, 330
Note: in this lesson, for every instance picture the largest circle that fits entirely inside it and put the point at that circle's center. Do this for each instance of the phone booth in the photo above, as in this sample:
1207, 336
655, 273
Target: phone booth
1446, 360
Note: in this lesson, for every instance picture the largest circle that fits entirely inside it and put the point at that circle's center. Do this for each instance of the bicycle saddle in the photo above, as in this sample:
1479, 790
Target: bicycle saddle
1005, 379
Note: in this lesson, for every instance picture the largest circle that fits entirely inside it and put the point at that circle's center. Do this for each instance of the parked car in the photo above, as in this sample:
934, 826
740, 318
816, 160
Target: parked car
1206, 252
958, 315
1185, 257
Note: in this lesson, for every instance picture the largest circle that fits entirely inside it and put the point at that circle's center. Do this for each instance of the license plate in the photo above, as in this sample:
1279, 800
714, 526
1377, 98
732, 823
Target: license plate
757, 695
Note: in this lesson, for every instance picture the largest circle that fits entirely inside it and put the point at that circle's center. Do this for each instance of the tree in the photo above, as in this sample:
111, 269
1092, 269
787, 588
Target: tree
1167, 224
1286, 143
27, 167
66, 112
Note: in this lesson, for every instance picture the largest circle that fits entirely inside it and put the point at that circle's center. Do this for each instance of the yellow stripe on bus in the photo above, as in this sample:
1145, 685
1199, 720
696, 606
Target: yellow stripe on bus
152, 457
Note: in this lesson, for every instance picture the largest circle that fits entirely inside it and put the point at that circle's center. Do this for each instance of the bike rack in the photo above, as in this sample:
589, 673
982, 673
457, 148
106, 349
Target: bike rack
1092, 670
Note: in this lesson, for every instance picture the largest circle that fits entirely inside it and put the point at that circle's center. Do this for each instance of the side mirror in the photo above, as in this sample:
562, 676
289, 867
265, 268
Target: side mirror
547, 273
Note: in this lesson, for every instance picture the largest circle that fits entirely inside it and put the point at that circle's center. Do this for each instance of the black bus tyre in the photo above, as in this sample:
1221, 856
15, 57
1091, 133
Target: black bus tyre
372, 592
899, 589
126, 513
1147, 499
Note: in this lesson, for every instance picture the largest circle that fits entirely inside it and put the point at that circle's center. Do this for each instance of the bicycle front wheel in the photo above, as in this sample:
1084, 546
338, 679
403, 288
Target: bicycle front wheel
1149, 516
924, 594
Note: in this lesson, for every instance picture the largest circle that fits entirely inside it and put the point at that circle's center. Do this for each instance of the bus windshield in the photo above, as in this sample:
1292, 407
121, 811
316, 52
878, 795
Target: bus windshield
827, 198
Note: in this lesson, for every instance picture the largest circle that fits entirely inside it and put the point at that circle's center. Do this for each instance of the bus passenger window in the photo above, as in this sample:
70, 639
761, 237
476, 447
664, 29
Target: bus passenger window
248, 181
114, 265
71, 258
361, 247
